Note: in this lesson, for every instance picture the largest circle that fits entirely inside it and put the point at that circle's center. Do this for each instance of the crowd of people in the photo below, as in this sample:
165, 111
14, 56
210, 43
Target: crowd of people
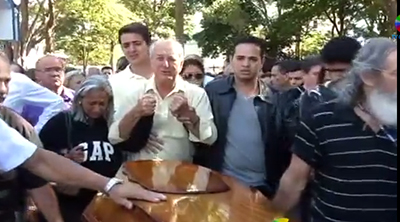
318, 136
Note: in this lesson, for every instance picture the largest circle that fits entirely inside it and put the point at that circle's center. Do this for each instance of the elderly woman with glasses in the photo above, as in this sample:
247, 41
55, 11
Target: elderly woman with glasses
81, 134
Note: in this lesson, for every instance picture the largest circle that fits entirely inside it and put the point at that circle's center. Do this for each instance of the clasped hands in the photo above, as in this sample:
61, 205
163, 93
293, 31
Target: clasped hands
179, 108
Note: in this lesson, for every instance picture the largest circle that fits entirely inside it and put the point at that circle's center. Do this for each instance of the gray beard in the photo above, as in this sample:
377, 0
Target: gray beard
384, 107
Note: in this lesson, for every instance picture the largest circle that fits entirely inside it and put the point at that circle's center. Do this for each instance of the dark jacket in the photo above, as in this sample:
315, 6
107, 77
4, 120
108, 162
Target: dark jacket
297, 102
222, 95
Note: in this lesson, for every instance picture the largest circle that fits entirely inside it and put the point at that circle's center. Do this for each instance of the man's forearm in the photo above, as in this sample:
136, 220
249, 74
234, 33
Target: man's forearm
288, 194
56, 168
46, 201
127, 123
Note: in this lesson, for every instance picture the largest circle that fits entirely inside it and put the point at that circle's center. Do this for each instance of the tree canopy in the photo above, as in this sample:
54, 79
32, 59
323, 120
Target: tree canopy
87, 30
284, 23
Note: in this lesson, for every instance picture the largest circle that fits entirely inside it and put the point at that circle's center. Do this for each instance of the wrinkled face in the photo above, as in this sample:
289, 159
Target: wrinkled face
76, 81
193, 74
295, 78
382, 99
335, 71
278, 79
166, 61
247, 62
134, 48
5, 79
95, 103
50, 72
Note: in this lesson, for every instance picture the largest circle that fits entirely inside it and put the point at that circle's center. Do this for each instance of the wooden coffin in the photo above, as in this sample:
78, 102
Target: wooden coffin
194, 194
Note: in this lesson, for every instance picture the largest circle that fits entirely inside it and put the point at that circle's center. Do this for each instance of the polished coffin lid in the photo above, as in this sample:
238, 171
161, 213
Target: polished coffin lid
238, 204
174, 177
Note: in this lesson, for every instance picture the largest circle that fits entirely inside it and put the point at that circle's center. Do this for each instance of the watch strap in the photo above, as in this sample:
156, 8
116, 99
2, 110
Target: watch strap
111, 183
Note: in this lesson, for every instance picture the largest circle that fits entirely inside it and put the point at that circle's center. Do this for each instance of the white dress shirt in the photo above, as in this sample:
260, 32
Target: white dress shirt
120, 82
177, 140
14, 148
24, 91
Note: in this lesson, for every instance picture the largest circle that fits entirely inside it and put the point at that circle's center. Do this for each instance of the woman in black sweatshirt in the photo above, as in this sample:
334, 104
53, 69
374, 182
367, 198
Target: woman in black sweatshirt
81, 134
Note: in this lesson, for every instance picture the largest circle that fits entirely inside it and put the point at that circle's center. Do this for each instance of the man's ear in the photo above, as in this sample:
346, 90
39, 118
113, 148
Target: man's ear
369, 78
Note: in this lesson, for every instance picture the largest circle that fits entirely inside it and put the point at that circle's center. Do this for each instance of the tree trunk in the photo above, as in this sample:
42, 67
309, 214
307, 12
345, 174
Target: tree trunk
49, 32
24, 29
298, 45
84, 60
179, 25
112, 46
391, 7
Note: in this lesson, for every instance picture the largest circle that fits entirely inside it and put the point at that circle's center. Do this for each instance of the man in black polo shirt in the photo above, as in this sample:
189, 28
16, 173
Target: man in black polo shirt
351, 144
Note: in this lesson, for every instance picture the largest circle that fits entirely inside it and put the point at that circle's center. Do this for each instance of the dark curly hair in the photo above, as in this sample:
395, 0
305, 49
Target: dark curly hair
340, 49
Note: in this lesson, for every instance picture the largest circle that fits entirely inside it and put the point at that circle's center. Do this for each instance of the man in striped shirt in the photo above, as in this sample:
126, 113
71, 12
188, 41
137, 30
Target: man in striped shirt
351, 144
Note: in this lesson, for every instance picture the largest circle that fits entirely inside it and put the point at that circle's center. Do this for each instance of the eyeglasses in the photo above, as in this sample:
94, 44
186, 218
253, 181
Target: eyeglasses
197, 76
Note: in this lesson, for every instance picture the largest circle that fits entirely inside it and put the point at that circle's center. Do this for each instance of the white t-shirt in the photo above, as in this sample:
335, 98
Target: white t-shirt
14, 148
24, 91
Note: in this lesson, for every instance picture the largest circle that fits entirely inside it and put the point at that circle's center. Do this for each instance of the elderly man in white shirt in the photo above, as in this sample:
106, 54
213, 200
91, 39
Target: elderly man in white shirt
18, 91
182, 112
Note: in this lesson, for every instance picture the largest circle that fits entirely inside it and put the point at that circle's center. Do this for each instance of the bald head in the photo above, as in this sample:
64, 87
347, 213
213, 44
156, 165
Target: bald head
50, 72
49, 58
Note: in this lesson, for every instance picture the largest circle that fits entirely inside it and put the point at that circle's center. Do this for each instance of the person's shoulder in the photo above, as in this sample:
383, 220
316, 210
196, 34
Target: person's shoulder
69, 91
19, 77
55, 125
220, 83
325, 110
125, 87
293, 92
193, 89
58, 118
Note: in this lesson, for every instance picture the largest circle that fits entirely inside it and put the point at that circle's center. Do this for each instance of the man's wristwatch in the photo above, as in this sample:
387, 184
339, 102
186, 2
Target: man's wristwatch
112, 183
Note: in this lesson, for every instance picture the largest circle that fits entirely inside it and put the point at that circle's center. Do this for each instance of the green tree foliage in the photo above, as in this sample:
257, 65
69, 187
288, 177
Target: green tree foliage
284, 23
159, 15
312, 43
88, 32
223, 22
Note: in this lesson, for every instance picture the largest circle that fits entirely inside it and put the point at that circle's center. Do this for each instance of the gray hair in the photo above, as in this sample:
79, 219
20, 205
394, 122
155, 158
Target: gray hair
371, 59
96, 82
71, 74
177, 46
